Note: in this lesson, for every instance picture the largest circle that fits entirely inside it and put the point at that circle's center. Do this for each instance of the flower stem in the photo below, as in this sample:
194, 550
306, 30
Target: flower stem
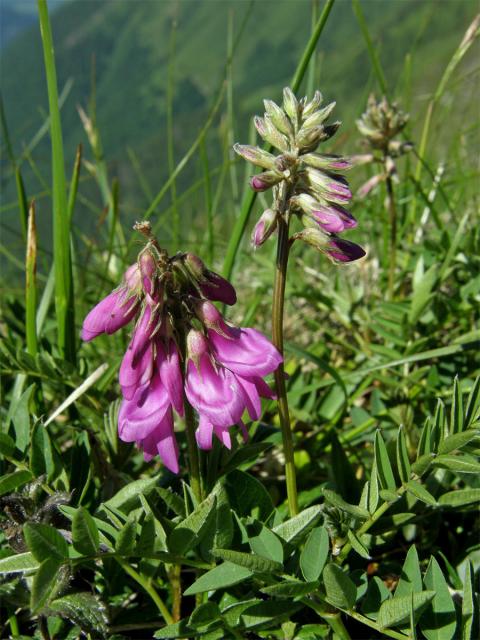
277, 331
392, 211
193, 461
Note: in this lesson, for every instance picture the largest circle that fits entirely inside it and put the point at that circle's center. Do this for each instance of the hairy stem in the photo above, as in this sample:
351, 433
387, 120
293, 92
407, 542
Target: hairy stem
277, 331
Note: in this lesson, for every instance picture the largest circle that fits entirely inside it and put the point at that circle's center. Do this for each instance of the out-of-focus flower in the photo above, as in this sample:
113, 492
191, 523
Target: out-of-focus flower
304, 183
175, 323
381, 122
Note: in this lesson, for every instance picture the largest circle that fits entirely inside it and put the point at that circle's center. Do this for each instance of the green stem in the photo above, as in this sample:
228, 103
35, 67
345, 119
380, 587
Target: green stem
368, 524
392, 212
336, 624
277, 333
193, 460
145, 584
370, 623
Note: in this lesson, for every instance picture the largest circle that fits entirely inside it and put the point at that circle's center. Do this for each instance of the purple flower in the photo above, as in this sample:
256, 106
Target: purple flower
224, 369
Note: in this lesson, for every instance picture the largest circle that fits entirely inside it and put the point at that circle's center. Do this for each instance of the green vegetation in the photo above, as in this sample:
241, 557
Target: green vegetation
382, 363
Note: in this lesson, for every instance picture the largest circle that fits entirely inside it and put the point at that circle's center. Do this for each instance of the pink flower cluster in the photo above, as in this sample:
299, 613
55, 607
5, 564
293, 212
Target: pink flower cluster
221, 370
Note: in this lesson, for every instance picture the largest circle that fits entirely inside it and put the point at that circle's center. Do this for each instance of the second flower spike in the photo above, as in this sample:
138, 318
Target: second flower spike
304, 183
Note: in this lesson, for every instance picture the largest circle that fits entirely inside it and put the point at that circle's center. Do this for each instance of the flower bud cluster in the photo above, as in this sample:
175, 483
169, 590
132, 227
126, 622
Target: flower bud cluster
307, 184
379, 125
181, 345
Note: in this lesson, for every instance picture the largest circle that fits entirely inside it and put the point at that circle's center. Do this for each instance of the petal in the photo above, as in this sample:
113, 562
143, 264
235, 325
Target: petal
139, 416
251, 397
249, 353
109, 315
224, 436
215, 394
204, 433
134, 375
168, 362
162, 441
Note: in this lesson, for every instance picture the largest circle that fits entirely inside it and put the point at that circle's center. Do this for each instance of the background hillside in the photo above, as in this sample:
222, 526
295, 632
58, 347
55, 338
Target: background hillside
123, 48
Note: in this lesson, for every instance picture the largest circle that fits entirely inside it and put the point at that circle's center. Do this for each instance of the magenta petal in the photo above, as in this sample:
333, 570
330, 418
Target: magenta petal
204, 434
142, 335
263, 389
162, 441
109, 315
251, 397
249, 353
168, 362
224, 436
132, 376
215, 394
139, 416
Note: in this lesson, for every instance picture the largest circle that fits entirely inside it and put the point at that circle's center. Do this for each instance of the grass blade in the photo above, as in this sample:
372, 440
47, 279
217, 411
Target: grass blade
61, 223
377, 67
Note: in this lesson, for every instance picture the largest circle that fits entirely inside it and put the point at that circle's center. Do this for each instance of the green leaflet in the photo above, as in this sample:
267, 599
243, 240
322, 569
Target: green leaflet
315, 554
225, 575
250, 561
45, 542
438, 621
397, 610
84, 532
340, 589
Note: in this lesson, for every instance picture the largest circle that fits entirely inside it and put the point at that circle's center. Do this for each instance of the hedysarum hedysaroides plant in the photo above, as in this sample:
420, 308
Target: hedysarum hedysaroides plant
181, 346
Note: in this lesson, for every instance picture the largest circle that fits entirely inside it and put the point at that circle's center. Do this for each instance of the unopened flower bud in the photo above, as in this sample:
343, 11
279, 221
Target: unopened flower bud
211, 318
265, 180
255, 155
210, 284
290, 105
132, 277
313, 105
147, 270
327, 162
195, 265
319, 117
197, 346
278, 117
313, 236
361, 158
340, 250
264, 227
309, 139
